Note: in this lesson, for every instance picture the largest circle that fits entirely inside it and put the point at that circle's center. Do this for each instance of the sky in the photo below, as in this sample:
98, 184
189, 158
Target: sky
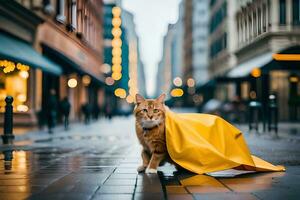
152, 18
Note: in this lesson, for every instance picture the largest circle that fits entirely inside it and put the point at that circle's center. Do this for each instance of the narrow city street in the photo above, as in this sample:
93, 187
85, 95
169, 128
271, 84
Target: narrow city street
99, 161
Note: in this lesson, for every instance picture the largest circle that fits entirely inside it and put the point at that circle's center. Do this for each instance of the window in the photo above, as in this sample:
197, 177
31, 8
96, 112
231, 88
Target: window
14, 83
249, 32
296, 12
259, 21
74, 14
60, 11
254, 27
47, 7
282, 12
264, 18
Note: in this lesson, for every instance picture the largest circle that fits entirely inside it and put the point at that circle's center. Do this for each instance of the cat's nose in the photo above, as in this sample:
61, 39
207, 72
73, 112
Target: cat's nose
150, 117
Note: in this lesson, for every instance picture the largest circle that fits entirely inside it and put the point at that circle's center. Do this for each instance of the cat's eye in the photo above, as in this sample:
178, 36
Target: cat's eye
145, 110
155, 110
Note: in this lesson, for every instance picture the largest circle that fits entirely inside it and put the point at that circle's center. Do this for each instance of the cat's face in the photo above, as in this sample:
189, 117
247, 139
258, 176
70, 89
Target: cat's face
149, 112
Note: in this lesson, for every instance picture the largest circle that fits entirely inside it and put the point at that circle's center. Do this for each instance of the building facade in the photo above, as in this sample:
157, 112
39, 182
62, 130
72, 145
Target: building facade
200, 41
68, 35
268, 52
165, 67
222, 36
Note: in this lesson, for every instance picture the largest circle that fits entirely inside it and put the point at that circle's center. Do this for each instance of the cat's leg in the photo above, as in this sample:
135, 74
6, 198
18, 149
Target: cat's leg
156, 158
145, 158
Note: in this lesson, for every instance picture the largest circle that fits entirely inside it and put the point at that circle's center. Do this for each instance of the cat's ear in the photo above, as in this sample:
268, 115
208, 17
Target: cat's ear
161, 98
139, 98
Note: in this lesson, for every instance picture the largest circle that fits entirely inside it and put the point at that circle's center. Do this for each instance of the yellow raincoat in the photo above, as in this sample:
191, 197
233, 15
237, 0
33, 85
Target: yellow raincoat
204, 143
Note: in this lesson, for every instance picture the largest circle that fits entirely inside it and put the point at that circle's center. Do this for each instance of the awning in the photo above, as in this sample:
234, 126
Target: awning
18, 51
244, 69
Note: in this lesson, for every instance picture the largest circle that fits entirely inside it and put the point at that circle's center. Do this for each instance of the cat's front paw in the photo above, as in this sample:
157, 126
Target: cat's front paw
141, 169
151, 171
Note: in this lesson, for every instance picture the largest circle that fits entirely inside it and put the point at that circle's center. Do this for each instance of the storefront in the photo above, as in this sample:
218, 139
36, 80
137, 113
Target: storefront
82, 78
268, 74
20, 66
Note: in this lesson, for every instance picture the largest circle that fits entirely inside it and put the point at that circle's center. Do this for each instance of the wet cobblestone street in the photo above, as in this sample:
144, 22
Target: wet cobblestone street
99, 161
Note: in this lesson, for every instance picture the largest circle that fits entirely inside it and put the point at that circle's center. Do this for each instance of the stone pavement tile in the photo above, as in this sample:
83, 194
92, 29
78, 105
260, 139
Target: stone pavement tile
67, 196
116, 182
123, 176
149, 196
293, 170
96, 170
129, 165
149, 189
203, 184
84, 188
172, 189
41, 181
278, 194
206, 189
90, 178
21, 189
126, 170
180, 197
148, 179
256, 182
14, 196
113, 197
13, 176
225, 196
169, 180
16, 182
109, 189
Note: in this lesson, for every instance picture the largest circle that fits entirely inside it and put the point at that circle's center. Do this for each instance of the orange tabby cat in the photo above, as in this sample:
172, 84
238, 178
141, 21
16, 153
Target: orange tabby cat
150, 130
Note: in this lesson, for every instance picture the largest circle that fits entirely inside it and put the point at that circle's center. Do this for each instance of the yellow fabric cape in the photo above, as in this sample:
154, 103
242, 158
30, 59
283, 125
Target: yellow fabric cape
204, 143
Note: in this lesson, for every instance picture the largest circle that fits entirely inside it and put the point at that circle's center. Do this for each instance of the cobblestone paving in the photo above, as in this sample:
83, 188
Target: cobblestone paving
99, 161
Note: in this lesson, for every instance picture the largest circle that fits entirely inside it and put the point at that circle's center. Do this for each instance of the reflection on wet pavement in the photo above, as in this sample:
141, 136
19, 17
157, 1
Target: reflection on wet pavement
53, 173
88, 165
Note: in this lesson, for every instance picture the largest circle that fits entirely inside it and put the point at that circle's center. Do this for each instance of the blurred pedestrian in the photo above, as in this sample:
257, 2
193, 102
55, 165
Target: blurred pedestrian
51, 111
108, 111
96, 111
86, 110
65, 108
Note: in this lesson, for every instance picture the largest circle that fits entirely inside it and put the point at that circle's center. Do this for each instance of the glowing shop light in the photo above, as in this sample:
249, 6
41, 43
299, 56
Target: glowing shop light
72, 83
24, 74
116, 22
286, 57
22, 108
294, 79
117, 68
86, 80
176, 92
256, 72
116, 11
190, 82
120, 92
117, 60
116, 76
116, 32
106, 68
116, 51
22, 67
177, 81
21, 98
129, 99
109, 81
116, 42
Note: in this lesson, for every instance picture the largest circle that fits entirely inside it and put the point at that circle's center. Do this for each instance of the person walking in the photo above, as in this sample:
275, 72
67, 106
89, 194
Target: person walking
65, 108
51, 111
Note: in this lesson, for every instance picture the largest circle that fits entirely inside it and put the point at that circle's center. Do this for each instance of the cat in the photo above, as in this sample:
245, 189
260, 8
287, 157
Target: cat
150, 131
